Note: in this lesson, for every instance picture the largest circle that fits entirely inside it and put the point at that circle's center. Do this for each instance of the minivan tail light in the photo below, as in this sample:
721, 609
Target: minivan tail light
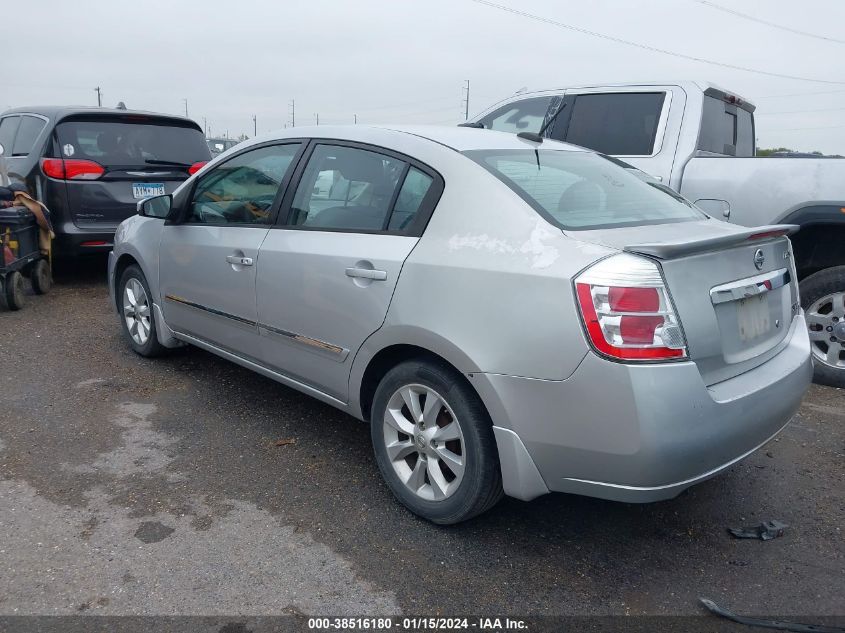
627, 311
196, 167
71, 169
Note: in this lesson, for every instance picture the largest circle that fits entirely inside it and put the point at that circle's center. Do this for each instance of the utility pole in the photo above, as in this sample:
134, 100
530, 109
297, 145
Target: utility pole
317, 114
293, 113
254, 125
205, 126
99, 97
466, 101
186, 107
356, 118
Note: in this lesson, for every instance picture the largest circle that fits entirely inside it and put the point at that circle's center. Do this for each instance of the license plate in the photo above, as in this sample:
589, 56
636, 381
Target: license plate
754, 317
147, 189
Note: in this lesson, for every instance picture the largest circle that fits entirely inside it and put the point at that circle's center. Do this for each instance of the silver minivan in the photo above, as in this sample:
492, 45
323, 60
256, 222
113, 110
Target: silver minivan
509, 316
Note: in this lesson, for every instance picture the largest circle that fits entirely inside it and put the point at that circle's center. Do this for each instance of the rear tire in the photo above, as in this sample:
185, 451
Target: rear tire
823, 300
13, 291
135, 305
445, 467
41, 277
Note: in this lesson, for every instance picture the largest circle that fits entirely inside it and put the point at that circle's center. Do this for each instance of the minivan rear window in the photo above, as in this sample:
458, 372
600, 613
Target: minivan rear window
132, 143
582, 190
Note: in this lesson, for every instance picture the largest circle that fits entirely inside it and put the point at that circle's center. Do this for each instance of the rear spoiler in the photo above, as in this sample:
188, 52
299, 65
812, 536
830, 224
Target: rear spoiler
682, 248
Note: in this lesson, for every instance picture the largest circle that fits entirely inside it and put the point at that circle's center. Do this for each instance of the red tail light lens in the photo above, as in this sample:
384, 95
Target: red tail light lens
197, 166
627, 312
71, 169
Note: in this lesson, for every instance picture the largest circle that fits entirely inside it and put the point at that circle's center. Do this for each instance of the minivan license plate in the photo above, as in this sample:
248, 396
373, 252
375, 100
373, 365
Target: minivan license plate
753, 317
147, 189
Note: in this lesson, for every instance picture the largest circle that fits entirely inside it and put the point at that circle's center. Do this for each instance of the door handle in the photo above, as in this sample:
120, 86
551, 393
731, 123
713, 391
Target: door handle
367, 273
237, 260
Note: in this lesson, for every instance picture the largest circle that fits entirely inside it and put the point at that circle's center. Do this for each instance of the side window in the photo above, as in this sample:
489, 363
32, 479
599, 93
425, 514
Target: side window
28, 132
621, 124
411, 197
346, 188
8, 127
242, 190
520, 116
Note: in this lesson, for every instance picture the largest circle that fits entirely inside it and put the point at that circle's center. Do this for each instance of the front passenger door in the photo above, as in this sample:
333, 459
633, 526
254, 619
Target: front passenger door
208, 261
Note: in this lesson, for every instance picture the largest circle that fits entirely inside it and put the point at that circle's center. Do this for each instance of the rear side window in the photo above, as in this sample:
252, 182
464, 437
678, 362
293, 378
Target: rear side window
726, 129
582, 190
622, 124
520, 116
28, 132
8, 127
346, 188
132, 143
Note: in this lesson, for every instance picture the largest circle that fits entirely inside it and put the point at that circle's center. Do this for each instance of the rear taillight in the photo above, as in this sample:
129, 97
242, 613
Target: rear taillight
71, 169
627, 312
197, 166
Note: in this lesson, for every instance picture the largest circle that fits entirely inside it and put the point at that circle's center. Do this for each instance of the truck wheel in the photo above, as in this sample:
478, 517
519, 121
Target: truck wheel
41, 277
134, 301
13, 291
823, 300
434, 444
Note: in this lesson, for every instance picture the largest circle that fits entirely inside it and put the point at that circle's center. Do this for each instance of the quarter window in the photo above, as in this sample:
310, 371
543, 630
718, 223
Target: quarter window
28, 132
521, 116
8, 127
410, 200
243, 189
346, 188
622, 124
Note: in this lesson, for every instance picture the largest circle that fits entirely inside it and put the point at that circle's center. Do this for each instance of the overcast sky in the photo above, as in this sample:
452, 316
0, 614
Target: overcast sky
406, 60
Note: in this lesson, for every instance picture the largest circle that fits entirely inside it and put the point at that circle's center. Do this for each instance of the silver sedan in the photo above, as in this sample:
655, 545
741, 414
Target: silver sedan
509, 316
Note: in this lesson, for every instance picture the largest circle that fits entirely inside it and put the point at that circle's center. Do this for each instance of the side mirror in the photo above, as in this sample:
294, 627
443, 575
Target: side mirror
157, 207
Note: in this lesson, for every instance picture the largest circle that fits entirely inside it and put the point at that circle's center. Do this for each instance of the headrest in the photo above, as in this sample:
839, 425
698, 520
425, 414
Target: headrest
359, 167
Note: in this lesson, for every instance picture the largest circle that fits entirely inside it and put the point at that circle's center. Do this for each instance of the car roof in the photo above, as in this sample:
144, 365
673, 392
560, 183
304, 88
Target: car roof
460, 139
57, 113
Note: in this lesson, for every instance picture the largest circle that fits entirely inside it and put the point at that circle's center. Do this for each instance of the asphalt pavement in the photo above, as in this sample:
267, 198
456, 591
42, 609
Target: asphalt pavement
161, 487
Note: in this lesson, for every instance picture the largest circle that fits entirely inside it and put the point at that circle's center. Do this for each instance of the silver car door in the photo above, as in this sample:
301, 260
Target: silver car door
208, 261
327, 277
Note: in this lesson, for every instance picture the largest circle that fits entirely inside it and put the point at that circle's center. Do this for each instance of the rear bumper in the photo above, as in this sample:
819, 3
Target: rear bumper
639, 433
72, 240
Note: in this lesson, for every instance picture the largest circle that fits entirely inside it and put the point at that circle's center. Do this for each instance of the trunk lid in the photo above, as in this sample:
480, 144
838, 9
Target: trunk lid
734, 288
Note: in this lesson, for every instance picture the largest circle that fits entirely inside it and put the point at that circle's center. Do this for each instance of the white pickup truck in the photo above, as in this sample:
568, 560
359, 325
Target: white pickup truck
699, 140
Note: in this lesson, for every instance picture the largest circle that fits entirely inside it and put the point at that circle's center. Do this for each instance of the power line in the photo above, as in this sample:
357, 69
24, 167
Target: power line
646, 47
745, 16
803, 94
801, 129
798, 111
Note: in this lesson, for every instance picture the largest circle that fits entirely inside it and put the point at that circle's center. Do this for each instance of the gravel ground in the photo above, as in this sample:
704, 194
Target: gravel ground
152, 487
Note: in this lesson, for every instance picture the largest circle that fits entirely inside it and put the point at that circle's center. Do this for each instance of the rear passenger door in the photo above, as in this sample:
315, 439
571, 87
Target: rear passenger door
328, 271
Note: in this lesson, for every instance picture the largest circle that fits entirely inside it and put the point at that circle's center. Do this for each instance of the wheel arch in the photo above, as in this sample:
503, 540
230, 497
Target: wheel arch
820, 243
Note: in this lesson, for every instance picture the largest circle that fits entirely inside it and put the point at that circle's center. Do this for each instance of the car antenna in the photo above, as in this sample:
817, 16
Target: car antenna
537, 137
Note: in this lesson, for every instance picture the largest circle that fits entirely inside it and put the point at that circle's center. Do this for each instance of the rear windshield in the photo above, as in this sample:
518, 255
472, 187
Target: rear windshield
582, 190
131, 143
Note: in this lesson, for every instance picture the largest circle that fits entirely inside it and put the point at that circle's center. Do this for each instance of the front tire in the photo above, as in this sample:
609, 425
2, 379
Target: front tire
41, 277
434, 443
823, 300
136, 313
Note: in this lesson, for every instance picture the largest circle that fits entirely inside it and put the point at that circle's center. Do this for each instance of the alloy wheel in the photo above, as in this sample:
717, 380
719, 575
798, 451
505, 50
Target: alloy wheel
424, 442
826, 323
136, 311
